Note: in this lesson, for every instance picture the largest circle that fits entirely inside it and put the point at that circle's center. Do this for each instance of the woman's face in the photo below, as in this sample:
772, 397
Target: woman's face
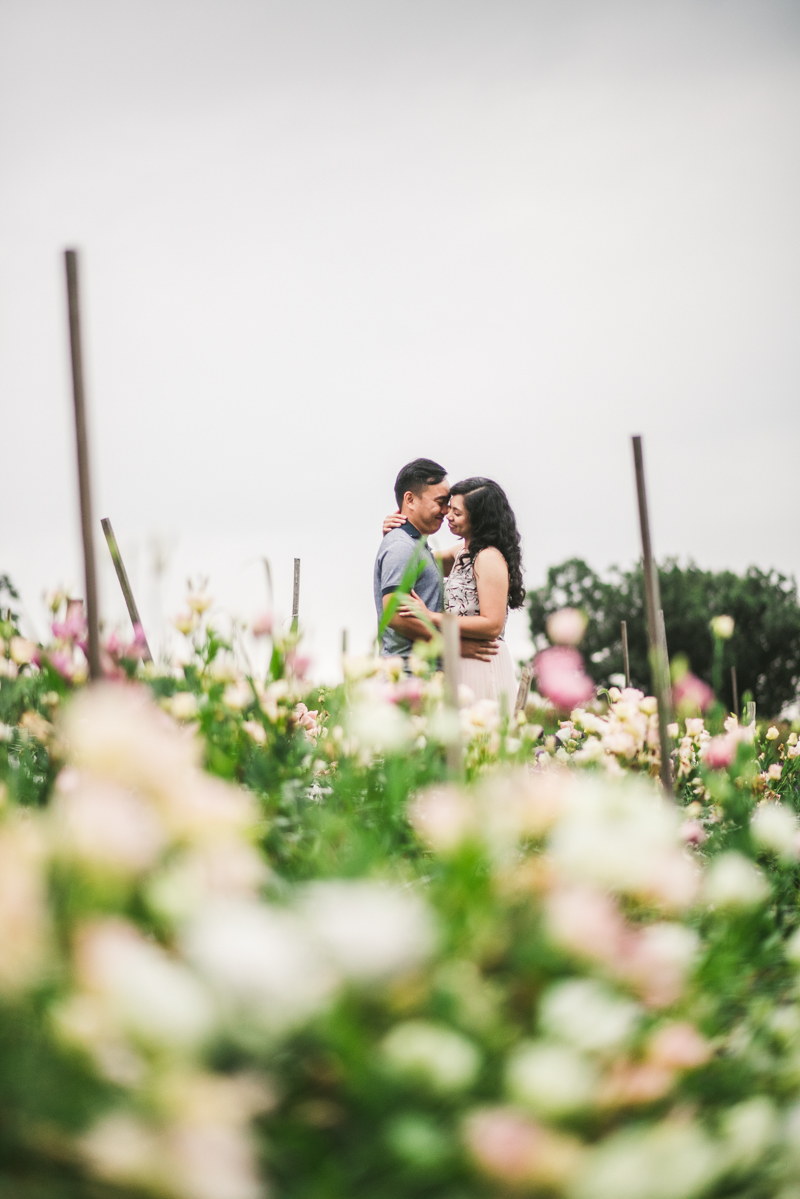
457, 519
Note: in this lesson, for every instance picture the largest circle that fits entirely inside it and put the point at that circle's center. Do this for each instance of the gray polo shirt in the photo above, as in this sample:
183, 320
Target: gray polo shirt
395, 552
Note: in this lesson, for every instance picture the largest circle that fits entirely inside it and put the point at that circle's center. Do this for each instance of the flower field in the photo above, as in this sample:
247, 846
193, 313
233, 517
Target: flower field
259, 940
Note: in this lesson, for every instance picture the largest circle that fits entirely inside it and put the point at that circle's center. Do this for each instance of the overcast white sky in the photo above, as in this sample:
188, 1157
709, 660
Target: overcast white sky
321, 237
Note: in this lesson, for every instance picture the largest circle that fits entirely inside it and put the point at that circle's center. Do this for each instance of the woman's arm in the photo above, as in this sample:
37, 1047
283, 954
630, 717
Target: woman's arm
447, 557
491, 576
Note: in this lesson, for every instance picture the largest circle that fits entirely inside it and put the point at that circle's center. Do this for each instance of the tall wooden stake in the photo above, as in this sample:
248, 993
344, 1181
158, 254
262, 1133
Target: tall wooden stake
626, 663
524, 689
735, 690
296, 595
127, 591
658, 667
452, 654
84, 482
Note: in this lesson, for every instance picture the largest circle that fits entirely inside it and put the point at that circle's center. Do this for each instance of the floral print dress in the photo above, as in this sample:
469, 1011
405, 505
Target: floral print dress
485, 680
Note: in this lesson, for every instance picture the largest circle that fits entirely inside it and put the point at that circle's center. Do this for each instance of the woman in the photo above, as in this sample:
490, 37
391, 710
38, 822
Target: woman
483, 580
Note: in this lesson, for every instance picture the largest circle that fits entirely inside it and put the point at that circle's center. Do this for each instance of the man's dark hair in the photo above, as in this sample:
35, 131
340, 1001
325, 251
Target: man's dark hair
416, 476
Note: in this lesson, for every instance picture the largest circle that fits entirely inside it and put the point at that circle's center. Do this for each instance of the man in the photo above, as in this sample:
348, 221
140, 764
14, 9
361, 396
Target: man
423, 498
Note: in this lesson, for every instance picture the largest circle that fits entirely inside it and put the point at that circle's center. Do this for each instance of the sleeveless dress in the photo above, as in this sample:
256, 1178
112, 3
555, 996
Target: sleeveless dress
486, 680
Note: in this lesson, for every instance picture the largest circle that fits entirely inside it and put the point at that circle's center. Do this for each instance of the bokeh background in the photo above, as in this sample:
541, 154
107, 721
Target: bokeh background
320, 238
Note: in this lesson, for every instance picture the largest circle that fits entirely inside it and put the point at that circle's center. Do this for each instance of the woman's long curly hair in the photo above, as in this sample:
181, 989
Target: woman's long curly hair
492, 521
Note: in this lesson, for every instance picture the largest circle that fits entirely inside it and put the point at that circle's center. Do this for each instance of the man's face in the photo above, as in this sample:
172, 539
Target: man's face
427, 510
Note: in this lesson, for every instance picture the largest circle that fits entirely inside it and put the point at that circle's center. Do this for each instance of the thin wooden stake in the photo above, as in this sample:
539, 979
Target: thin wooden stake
127, 590
735, 692
270, 592
750, 717
296, 595
626, 664
84, 481
663, 662
524, 689
344, 643
658, 668
452, 655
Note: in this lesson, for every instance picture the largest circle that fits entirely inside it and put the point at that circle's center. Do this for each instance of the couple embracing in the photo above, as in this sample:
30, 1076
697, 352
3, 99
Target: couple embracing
483, 573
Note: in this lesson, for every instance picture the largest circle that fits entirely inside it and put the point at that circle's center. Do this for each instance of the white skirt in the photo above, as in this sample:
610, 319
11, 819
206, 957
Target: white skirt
491, 680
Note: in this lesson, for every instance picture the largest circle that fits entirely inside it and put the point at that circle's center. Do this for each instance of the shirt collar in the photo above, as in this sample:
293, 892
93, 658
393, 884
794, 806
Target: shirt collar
412, 530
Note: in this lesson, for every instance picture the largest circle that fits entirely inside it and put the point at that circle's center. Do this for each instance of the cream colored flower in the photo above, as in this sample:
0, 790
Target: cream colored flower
105, 827
21, 650
24, 921
722, 627
431, 1053
772, 733
369, 931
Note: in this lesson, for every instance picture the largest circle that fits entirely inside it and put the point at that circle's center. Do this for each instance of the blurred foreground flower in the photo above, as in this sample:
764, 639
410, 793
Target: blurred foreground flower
561, 677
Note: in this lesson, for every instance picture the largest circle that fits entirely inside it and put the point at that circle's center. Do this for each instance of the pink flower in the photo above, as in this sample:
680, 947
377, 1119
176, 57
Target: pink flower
306, 719
561, 677
691, 694
693, 833
262, 624
61, 661
588, 923
679, 1047
74, 624
504, 1143
296, 664
720, 751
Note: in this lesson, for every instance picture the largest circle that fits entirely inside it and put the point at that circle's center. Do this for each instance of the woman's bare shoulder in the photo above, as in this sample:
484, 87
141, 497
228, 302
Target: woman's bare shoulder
490, 559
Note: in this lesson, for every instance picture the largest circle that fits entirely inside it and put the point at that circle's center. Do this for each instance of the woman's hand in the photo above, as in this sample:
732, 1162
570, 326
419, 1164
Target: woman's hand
415, 607
393, 521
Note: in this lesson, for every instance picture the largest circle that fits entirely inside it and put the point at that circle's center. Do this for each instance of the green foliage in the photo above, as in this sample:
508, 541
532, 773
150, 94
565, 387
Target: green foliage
765, 647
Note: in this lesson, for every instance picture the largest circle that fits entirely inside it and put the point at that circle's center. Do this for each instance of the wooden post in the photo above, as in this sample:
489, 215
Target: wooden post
524, 688
663, 654
127, 591
344, 643
750, 717
735, 690
84, 481
626, 664
659, 669
452, 654
296, 595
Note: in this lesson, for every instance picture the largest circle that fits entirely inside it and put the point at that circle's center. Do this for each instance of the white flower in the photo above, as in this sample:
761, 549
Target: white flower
722, 627
255, 731
105, 826
662, 1161
695, 725
444, 817
23, 905
775, 771
260, 961
183, 705
749, 1130
772, 733
238, 695
733, 881
775, 827
21, 650
567, 626
370, 931
154, 996
380, 726
587, 1015
123, 1149
433, 1053
626, 838
553, 1080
